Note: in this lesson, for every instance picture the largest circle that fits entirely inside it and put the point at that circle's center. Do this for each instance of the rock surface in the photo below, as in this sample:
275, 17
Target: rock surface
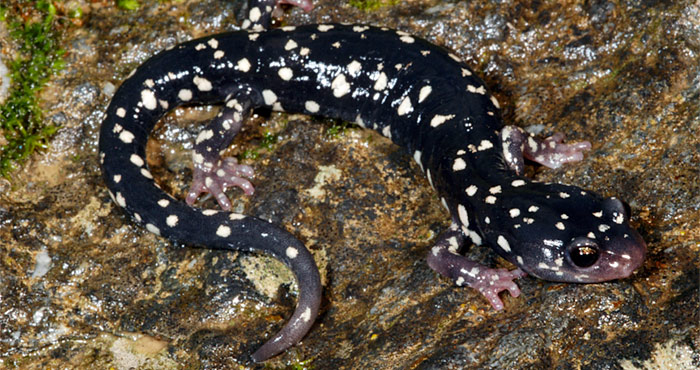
83, 287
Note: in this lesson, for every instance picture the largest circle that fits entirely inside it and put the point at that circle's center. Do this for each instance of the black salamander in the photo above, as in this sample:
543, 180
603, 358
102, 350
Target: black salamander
419, 95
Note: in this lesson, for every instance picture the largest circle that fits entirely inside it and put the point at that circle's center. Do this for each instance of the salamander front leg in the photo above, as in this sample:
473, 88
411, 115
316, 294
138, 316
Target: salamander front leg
550, 152
444, 259
211, 173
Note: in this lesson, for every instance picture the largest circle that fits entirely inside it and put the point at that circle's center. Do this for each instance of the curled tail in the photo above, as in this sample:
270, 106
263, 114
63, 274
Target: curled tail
123, 138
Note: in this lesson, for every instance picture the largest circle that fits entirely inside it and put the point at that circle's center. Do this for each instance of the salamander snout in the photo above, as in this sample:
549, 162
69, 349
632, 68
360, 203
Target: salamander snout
614, 251
615, 258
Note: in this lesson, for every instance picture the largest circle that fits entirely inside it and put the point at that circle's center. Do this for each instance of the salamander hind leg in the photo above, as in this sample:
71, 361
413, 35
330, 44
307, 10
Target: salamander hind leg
550, 152
444, 259
212, 174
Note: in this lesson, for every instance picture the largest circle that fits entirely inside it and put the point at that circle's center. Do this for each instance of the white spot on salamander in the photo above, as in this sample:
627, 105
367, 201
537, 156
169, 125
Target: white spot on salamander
459, 164
269, 97
503, 243
254, 14
424, 93
291, 44
386, 131
463, 216
485, 144
120, 199
381, 82
135, 159
444, 204
360, 28
340, 86
618, 218
416, 156
172, 220
476, 90
312, 106
126, 137
407, 39
243, 65
495, 102
153, 228
405, 107
292, 252
285, 73
148, 98
223, 231
185, 94
354, 68
439, 119
306, 316
202, 83
204, 136
476, 238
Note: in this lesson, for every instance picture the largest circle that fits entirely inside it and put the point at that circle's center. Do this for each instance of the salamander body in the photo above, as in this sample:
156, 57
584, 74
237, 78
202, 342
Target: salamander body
419, 95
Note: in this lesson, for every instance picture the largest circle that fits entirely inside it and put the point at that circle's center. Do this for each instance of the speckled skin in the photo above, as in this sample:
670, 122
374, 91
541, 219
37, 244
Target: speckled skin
419, 95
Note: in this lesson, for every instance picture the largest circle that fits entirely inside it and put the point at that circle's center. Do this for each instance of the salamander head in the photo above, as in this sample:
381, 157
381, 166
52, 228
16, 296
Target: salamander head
562, 233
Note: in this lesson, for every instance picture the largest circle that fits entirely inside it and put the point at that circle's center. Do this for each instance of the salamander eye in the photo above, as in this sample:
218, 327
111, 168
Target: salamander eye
584, 252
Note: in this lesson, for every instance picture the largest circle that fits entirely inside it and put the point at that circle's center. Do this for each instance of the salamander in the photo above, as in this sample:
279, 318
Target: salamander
421, 96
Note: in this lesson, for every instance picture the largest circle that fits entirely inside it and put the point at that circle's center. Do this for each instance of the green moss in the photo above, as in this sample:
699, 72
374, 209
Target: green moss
337, 129
40, 57
128, 4
301, 365
370, 5
267, 142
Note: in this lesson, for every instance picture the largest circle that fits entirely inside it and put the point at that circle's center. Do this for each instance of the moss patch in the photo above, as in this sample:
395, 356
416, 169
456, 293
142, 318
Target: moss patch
370, 5
39, 58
